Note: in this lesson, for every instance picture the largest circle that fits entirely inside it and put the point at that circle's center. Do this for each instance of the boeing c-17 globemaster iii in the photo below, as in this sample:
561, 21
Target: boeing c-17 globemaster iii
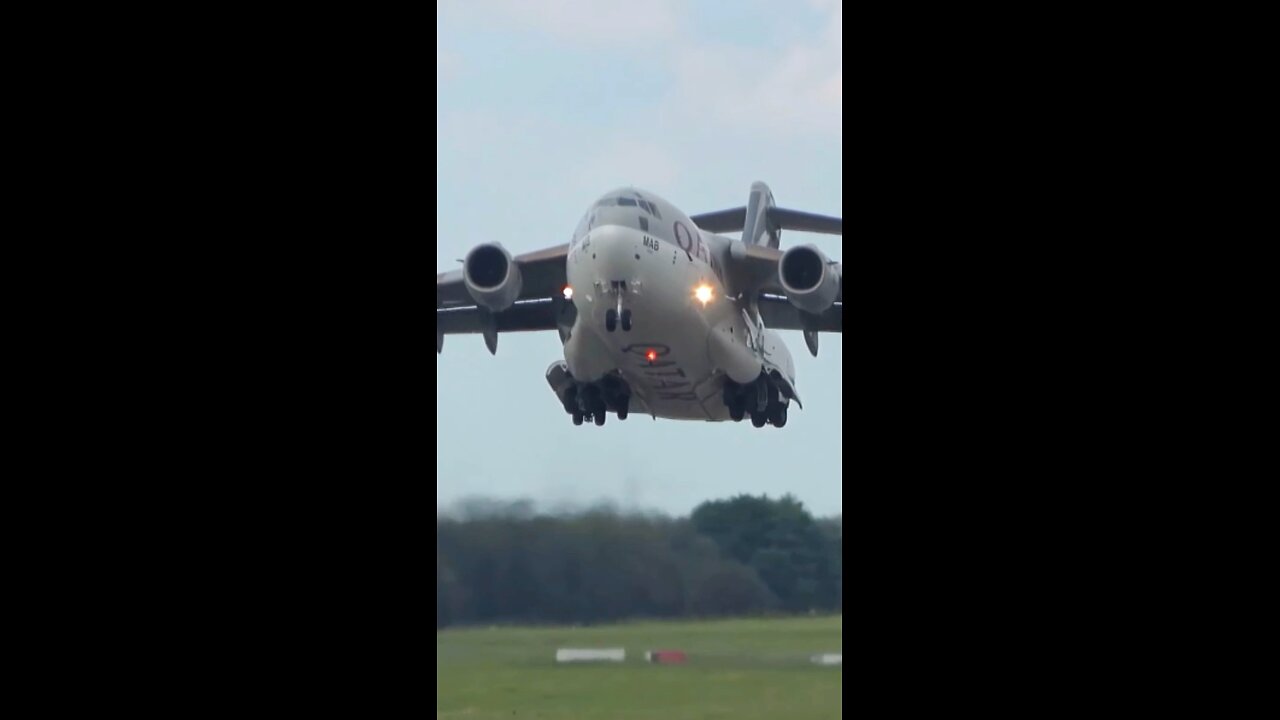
658, 313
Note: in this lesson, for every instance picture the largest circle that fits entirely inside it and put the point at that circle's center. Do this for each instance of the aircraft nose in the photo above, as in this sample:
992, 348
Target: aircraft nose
610, 235
614, 249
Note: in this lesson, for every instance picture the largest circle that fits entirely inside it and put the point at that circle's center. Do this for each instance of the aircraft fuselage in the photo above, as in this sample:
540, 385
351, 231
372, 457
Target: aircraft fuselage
653, 307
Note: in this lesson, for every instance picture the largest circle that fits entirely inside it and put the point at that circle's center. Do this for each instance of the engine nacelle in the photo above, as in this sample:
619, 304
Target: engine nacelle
492, 277
812, 283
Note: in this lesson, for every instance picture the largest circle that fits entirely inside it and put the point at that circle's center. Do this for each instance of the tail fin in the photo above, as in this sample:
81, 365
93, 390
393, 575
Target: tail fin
762, 221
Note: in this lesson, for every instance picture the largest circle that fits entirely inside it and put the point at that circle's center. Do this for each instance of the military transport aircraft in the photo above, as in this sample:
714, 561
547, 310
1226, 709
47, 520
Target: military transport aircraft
658, 314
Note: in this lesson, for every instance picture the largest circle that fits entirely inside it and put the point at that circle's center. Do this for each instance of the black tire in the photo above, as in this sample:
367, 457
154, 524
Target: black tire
600, 418
610, 320
588, 398
624, 408
778, 415
577, 417
758, 419
626, 321
737, 410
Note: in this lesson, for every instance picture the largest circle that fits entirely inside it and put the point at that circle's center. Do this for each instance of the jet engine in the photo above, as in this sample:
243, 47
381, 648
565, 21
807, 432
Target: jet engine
492, 277
812, 283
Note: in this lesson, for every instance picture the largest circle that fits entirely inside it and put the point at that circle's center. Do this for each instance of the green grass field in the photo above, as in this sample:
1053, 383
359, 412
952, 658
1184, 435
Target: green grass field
737, 669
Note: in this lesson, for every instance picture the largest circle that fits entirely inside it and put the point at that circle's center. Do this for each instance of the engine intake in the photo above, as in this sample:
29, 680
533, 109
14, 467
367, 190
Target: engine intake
811, 282
492, 277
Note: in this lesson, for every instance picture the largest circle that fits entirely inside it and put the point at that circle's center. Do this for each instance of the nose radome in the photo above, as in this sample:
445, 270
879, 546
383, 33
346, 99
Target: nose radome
611, 235
615, 248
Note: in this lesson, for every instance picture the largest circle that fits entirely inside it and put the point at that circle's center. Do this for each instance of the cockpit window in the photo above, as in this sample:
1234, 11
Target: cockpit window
623, 201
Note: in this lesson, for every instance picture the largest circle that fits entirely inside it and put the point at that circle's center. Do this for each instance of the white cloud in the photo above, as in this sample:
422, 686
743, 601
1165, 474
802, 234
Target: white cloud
611, 23
794, 90
799, 89
626, 162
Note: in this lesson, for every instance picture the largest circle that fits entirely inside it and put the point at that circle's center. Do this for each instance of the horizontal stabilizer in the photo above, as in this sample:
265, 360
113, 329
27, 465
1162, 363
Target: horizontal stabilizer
735, 219
785, 219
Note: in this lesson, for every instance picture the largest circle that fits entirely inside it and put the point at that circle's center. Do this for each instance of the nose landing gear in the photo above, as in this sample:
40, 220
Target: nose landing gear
618, 289
612, 317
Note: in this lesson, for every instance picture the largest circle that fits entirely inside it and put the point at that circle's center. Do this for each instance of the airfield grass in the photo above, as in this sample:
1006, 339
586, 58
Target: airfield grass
738, 669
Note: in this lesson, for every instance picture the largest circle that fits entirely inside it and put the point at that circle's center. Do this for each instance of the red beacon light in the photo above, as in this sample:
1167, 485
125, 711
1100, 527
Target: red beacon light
651, 355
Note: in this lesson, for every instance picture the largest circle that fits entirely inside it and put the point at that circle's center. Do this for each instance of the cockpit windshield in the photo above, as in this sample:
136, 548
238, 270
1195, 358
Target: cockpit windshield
630, 201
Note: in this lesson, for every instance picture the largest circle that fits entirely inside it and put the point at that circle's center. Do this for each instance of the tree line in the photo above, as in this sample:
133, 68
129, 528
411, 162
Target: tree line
742, 555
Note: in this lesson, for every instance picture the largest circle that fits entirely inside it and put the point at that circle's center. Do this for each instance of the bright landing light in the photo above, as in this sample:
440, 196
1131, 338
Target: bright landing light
703, 293
568, 293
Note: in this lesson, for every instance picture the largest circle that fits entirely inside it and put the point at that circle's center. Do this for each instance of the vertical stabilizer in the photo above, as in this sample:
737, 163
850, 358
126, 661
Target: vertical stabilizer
757, 228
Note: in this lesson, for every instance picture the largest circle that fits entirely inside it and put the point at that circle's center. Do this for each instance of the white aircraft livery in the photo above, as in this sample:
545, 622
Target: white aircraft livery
657, 312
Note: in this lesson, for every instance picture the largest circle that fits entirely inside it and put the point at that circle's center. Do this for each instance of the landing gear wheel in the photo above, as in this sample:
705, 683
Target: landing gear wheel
600, 418
737, 409
577, 417
778, 415
623, 408
762, 397
610, 319
758, 419
626, 320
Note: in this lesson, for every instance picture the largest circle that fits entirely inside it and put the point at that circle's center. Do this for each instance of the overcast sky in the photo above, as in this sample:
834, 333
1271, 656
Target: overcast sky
541, 107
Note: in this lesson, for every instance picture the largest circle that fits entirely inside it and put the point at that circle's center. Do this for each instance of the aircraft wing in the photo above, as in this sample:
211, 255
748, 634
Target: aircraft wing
539, 314
539, 307
779, 314
542, 272
755, 267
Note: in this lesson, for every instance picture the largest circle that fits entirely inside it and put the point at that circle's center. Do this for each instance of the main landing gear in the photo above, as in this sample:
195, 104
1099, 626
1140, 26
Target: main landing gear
594, 401
762, 400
